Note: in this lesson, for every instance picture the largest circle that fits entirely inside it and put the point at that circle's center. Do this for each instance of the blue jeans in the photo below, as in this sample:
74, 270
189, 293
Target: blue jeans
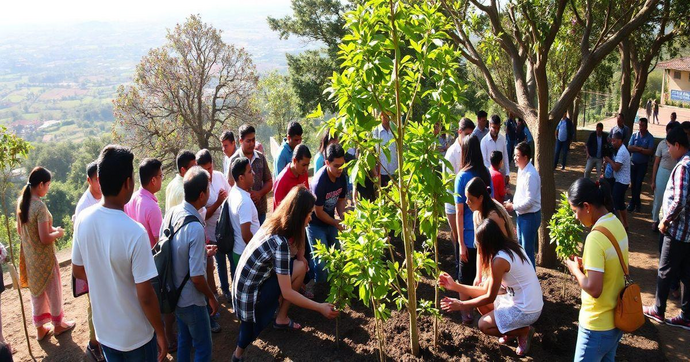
637, 173
325, 234
147, 353
527, 229
594, 346
510, 145
193, 328
561, 146
221, 262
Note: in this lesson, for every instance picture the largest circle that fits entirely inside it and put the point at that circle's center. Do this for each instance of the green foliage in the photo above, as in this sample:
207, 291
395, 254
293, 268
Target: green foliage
278, 102
13, 150
565, 230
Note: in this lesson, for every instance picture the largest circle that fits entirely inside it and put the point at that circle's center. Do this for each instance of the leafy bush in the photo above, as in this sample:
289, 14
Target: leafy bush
565, 230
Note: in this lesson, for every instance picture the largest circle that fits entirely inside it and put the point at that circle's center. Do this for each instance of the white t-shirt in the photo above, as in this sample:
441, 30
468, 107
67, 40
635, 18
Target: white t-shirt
218, 183
242, 211
521, 283
116, 254
85, 201
454, 156
622, 157
226, 166
488, 145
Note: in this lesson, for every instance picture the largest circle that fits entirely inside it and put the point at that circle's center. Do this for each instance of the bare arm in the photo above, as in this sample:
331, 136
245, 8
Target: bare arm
48, 234
149, 303
301, 301
323, 216
79, 272
592, 283
246, 232
340, 208
498, 268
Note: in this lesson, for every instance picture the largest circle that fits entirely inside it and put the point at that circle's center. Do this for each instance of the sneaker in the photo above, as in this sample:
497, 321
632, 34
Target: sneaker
216, 316
215, 327
650, 311
524, 343
679, 321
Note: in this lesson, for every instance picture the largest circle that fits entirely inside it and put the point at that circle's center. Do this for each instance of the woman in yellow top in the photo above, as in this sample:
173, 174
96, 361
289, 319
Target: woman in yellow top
38, 266
598, 272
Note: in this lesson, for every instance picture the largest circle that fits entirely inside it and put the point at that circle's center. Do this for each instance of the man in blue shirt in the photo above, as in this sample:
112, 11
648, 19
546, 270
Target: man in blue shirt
564, 135
641, 146
293, 138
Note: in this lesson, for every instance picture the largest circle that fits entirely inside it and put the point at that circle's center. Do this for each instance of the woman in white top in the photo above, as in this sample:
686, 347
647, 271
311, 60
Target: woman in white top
511, 300
663, 165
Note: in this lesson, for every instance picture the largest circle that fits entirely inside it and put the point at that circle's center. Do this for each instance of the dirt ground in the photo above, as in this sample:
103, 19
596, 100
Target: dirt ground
554, 340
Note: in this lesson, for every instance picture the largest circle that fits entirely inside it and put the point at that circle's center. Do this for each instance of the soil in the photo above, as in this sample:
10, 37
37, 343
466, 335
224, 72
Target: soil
555, 337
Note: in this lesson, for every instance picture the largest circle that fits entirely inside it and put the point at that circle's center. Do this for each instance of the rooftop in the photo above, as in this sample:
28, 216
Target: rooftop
682, 63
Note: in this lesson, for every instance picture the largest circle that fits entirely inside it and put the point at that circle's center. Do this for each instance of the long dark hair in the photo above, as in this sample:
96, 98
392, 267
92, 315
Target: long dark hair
490, 240
325, 140
472, 159
594, 193
476, 187
37, 176
288, 219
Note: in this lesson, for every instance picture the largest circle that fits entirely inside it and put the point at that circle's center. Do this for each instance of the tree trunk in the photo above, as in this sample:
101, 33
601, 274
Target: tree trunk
574, 112
626, 80
544, 144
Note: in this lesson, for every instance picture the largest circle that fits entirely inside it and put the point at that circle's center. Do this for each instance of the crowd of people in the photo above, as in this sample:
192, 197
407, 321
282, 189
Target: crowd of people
268, 265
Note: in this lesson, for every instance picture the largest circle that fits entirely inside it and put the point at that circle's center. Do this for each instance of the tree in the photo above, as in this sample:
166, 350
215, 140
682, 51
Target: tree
318, 21
185, 93
526, 33
278, 101
668, 27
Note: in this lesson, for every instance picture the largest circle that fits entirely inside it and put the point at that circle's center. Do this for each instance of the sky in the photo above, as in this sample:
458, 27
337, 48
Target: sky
22, 12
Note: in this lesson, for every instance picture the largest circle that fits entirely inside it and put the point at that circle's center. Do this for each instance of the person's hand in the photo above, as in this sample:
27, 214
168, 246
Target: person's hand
211, 250
445, 281
451, 305
574, 263
662, 227
328, 310
477, 281
509, 206
463, 253
254, 195
213, 303
339, 226
60, 231
222, 195
162, 347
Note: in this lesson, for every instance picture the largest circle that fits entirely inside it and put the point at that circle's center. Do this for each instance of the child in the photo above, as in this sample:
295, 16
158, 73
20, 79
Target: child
497, 177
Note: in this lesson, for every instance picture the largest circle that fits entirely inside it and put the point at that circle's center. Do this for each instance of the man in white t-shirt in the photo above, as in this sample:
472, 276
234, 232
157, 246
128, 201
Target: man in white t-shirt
227, 141
113, 251
243, 213
621, 173
495, 142
92, 196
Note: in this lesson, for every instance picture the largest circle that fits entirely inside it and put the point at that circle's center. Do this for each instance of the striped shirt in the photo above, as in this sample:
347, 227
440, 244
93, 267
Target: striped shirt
676, 209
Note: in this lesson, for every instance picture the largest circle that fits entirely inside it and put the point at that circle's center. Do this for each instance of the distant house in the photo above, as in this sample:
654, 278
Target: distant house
676, 78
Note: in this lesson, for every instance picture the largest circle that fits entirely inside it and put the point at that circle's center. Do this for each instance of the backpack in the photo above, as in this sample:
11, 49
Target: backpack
164, 284
628, 315
225, 233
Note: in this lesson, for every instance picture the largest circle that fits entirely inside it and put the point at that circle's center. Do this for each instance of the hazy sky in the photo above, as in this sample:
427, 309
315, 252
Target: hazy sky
19, 12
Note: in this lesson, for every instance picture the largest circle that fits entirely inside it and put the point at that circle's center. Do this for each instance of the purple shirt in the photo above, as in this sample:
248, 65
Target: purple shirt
143, 208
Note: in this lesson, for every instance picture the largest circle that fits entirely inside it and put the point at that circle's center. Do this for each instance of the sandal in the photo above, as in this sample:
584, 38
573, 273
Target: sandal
96, 352
291, 326
49, 332
506, 339
70, 326
524, 343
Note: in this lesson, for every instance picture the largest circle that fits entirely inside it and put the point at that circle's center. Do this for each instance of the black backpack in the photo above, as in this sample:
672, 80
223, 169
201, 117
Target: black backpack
225, 234
164, 284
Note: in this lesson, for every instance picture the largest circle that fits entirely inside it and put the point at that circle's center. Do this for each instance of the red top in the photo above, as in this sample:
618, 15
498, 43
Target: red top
285, 181
499, 182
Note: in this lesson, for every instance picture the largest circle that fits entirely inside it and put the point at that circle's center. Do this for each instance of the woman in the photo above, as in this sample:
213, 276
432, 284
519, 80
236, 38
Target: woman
38, 266
267, 272
598, 272
326, 140
663, 165
472, 166
511, 301
484, 207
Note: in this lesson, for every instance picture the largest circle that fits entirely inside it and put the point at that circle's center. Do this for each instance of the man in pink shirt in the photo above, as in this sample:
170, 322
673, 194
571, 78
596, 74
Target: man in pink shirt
295, 174
143, 207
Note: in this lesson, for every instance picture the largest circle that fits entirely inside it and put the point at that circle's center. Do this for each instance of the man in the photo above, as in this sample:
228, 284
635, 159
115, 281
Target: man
243, 214
143, 207
656, 113
92, 196
482, 128
114, 252
329, 185
189, 257
174, 193
218, 192
625, 131
292, 139
674, 260
454, 156
386, 166
621, 175
263, 182
527, 201
495, 142
227, 141
641, 147
511, 136
564, 135
594, 148
295, 174
648, 108
673, 117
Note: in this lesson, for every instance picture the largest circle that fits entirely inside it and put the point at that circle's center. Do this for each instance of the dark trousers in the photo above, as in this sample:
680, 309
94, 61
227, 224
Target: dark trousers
675, 284
637, 173
674, 263
561, 146
510, 144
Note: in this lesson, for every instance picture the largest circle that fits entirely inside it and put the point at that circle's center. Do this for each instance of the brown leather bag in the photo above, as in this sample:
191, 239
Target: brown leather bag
628, 315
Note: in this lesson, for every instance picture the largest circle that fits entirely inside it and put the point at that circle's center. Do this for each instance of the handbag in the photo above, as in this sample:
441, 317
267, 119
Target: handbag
628, 315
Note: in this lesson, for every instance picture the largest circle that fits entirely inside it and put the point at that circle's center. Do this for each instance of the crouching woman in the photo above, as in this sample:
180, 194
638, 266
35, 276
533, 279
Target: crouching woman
511, 300
266, 272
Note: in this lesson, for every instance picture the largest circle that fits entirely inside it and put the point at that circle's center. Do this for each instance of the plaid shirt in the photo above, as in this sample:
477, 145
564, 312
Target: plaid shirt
263, 256
676, 207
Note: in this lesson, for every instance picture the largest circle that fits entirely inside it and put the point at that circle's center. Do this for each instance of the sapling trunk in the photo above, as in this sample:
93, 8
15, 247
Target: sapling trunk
337, 332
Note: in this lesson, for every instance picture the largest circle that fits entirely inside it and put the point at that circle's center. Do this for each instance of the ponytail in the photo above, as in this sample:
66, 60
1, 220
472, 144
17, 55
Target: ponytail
594, 193
37, 176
